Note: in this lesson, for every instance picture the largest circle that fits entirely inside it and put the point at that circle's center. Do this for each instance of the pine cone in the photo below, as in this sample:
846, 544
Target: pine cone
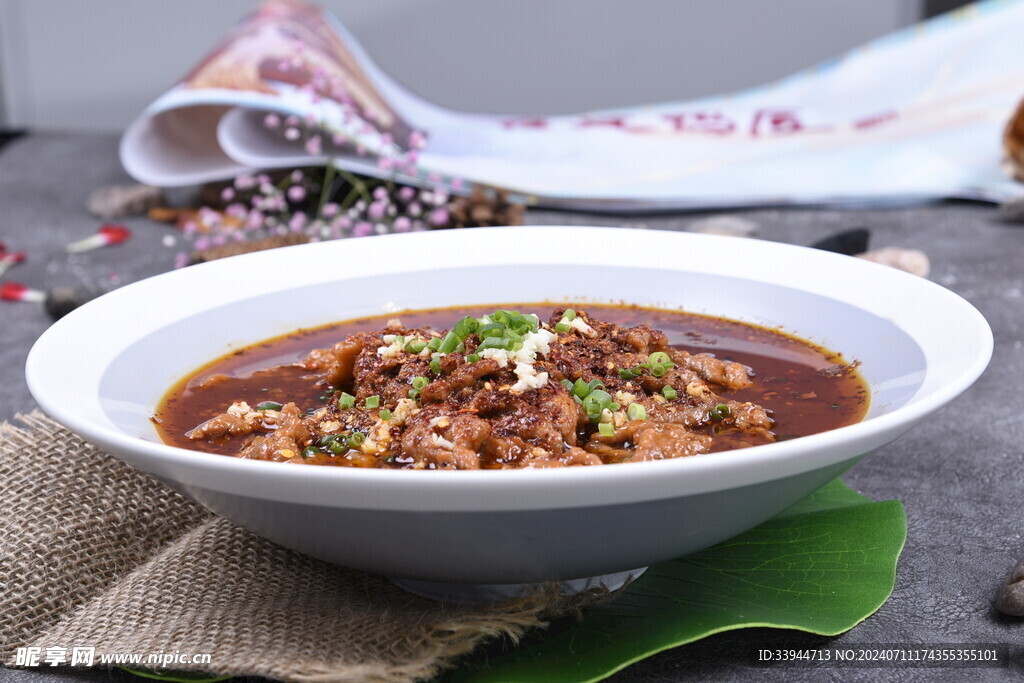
1013, 144
484, 207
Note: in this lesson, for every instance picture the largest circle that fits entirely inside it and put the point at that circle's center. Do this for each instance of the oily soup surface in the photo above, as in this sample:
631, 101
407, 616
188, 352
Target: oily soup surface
802, 384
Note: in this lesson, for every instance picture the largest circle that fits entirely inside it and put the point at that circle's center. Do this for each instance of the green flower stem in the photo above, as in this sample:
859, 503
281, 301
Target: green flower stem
325, 190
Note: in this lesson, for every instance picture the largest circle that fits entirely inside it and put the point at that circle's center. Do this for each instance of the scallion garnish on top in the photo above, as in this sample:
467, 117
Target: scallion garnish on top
720, 412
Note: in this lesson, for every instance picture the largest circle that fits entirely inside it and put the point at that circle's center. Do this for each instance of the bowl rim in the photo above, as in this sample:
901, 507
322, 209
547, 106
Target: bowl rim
511, 489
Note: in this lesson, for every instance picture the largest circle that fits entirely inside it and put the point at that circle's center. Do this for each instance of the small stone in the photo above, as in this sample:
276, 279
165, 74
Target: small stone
115, 201
1012, 210
848, 242
62, 300
725, 224
912, 261
1011, 596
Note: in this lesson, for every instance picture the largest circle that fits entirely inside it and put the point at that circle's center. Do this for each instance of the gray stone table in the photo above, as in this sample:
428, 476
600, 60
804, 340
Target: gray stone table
960, 475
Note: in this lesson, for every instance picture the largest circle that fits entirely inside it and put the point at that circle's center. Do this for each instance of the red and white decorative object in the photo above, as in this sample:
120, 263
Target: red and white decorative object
9, 259
106, 236
16, 291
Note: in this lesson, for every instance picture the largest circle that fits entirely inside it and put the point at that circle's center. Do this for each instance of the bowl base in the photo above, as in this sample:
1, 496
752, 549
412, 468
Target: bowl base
479, 593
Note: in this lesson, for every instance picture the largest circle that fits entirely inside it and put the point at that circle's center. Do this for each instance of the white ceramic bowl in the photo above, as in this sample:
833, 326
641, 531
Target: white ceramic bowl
101, 370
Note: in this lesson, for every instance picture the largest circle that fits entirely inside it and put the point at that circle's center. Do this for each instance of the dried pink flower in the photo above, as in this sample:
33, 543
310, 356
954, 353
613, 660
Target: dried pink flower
438, 217
417, 140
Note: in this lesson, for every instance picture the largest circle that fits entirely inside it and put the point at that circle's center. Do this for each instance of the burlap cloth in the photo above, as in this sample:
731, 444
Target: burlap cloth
96, 554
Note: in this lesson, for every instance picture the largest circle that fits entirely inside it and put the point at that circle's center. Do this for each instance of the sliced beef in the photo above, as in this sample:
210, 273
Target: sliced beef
467, 416
337, 363
660, 441
289, 437
724, 373
445, 441
461, 377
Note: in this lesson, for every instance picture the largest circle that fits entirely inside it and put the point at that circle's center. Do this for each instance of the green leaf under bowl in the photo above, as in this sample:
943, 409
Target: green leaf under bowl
822, 566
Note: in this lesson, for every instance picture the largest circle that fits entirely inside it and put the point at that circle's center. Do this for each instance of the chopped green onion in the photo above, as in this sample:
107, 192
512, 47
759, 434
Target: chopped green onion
435, 367
720, 412
415, 346
567, 384
337, 446
473, 357
448, 344
569, 315
385, 415
346, 400
626, 374
580, 388
491, 330
635, 411
593, 409
638, 370
669, 392
492, 343
434, 344
372, 402
268, 405
419, 382
356, 439
606, 429
324, 440
596, 402
414, 394
659, 357
563, 327
310, 452
658, 369
466, 327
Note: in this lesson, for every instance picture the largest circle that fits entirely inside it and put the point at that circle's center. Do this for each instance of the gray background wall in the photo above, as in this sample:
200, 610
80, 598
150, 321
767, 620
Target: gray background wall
94, 64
